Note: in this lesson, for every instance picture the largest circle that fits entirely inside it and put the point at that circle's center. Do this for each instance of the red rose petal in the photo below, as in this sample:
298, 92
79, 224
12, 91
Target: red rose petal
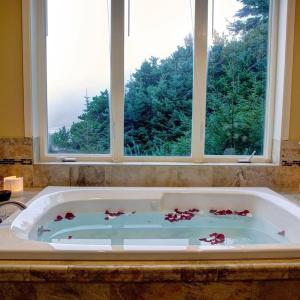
58, 218
179, 215
226, 212
216, 238
110, 214
242, 213
69, 216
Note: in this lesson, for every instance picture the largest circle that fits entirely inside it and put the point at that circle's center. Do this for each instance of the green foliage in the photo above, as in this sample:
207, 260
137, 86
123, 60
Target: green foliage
158, 105
88, 135
158, 98
236, 87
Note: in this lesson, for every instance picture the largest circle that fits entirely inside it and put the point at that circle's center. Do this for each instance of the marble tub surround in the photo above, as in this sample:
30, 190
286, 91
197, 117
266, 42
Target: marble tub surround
150, 280
149, 271
42, 175
189, 175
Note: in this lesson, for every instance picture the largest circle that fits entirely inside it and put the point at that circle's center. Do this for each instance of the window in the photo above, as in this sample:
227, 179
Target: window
237, 77
158, 78
78, 76
141, 80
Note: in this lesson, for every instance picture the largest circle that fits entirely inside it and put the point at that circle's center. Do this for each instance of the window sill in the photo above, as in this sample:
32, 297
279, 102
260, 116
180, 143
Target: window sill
165, 164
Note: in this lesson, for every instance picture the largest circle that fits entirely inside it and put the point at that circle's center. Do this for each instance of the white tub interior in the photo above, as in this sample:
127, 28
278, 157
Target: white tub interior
130, 236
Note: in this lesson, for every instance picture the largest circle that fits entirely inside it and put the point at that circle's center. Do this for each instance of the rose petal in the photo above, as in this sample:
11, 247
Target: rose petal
69, 216
58, 218
216, 238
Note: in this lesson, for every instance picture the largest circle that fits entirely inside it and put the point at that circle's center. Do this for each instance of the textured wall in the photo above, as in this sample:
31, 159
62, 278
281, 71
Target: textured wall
11, 71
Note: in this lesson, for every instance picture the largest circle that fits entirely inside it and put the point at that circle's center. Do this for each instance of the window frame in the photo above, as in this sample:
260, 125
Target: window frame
35, 86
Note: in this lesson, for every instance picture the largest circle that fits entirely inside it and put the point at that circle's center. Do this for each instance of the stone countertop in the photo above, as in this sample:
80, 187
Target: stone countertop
149, 271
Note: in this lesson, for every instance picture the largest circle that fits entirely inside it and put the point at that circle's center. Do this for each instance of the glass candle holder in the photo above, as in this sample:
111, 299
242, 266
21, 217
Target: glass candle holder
13, 184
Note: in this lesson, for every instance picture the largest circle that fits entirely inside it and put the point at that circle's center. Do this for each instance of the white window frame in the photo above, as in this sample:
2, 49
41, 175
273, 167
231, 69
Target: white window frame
35, 84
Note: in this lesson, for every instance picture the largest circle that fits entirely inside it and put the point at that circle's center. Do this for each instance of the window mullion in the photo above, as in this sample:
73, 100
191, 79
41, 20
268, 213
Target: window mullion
117, 79
270, 96
199, 79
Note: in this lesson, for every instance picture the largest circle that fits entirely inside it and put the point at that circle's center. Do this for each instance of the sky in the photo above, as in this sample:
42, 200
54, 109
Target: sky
78, 45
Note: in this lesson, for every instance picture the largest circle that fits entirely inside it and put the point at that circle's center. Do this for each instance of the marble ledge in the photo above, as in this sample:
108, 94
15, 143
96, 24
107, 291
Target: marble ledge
150, 271
156, 163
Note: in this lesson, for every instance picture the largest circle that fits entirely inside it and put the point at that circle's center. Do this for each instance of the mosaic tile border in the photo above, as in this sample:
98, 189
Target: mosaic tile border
12, 161
290, 163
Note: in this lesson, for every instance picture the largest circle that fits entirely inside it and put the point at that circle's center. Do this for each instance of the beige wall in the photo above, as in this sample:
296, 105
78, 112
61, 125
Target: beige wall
295, 110
11, 83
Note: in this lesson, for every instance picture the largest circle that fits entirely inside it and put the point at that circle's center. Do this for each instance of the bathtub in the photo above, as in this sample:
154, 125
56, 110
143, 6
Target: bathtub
84, 223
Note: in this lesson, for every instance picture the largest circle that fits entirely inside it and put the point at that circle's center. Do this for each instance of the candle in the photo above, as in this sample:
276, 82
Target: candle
13, 184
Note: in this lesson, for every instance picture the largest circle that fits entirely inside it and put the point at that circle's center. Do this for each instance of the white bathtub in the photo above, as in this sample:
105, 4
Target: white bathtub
21, 240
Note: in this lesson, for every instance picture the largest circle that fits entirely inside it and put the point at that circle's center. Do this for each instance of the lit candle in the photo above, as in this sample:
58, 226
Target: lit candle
13, 184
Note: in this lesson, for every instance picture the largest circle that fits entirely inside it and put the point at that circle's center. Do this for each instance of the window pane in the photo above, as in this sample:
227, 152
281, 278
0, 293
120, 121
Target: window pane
78, 76
159, 76
237, 77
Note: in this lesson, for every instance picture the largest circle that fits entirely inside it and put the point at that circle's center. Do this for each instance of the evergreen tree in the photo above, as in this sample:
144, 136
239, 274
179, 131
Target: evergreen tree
90, 134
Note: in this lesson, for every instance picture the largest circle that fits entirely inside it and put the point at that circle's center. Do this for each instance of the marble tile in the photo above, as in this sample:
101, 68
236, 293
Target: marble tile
130, 291
15, 148
17, 291
132, 175
47, 175
290, 152
286, 177
276, 290
260, 176
87, 175
108, 273
72, 291
25, 171
264, 176
14, 272
183, 290
228, 176
252, 271
54, 291
194, 176
38, 273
